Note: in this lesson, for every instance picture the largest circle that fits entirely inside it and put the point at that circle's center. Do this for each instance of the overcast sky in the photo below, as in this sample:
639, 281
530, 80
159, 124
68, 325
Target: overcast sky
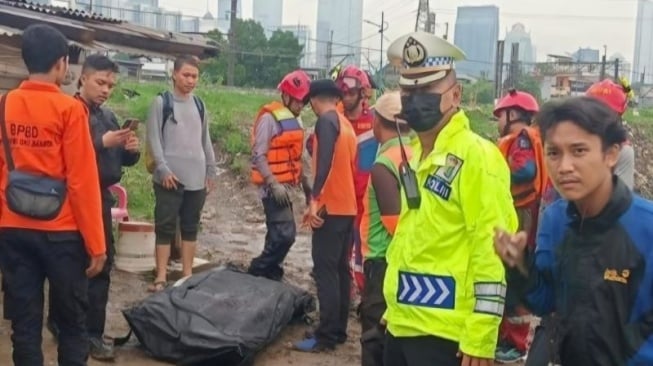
578, 23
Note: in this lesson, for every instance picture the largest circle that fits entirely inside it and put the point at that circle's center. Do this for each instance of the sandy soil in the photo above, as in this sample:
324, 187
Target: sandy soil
233, 231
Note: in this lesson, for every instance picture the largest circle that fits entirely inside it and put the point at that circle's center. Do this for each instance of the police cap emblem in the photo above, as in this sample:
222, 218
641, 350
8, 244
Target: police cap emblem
414, 53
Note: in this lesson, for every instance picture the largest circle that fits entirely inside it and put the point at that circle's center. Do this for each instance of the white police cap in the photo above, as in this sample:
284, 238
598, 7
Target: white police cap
423, 58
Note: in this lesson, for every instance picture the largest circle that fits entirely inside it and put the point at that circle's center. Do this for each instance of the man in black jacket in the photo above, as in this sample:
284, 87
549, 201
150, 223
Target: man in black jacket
115, 147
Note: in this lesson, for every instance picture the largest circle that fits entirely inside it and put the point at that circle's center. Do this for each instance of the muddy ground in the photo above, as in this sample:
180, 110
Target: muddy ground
233, 231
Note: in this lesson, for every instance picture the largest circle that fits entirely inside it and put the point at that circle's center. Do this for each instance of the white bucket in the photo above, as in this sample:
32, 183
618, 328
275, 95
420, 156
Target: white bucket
135, 247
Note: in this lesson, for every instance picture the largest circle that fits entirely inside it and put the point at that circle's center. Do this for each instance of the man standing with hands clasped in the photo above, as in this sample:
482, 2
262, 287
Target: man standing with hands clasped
331, 214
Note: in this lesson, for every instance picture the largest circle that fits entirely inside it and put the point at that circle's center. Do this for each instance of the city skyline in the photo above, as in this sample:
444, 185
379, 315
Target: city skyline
592, 23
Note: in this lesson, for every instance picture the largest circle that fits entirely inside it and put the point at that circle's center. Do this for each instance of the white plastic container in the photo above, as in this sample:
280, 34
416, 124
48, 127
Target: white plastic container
135, 247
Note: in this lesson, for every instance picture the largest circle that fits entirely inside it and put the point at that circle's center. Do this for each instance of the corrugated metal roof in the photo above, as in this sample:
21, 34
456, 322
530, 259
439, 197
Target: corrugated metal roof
8, 31
103, 46
60, 11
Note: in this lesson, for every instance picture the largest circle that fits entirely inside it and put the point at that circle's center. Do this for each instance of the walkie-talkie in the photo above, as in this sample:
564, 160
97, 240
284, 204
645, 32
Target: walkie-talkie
408, 177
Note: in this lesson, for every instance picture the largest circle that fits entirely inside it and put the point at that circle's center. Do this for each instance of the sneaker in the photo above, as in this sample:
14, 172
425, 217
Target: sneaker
311, 334
508, 355
101, 351
312, 345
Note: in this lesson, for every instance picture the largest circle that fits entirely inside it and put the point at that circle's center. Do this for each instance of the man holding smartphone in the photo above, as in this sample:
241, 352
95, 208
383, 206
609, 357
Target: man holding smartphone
115, 147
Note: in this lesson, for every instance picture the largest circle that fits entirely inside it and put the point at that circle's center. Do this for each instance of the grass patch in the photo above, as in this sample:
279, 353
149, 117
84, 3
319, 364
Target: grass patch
231, 113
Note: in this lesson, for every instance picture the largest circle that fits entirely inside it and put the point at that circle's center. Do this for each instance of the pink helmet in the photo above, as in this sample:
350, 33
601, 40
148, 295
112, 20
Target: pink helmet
352, 77
296, 84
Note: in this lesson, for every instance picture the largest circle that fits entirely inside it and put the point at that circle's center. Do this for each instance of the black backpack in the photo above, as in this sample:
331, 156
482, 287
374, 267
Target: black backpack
168, 104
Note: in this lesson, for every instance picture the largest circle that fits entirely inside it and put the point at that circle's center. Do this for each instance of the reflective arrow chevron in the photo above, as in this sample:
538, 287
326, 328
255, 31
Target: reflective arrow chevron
426, 290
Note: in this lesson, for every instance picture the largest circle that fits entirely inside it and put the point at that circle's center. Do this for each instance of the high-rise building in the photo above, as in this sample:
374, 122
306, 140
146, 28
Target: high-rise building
586, 55
269, 13
341, 22
224, 14
517, 34
303, 35
643, 55
477, 33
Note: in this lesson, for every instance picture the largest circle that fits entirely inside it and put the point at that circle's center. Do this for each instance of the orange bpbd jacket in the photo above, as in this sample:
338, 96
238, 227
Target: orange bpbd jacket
527, 193
49, 135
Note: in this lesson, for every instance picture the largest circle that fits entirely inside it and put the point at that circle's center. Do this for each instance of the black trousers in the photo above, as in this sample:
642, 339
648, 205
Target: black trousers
27, 259
280, 237
372, 308
420, 351
98, 286
545, 345
331, 247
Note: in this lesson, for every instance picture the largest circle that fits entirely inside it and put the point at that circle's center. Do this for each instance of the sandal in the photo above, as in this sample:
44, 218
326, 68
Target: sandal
157, 286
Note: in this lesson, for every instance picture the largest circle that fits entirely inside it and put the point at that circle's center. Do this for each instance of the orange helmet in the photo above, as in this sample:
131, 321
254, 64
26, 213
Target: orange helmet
518, 100
352, 77
611, 93
296, 84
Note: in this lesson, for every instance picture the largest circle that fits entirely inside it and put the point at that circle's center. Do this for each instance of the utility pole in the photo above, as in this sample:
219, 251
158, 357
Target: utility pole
381, 31
421, 23
329, 52
514, 64
498, 71
232, 43
616, 70
603, 61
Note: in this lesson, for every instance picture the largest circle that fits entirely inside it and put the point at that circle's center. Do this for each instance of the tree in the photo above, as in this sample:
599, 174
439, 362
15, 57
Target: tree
529, 84
260, 62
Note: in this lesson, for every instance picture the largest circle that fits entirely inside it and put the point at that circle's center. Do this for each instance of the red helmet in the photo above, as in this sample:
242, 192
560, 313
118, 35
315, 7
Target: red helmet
517, 99
611, 93
296, 84
352, 77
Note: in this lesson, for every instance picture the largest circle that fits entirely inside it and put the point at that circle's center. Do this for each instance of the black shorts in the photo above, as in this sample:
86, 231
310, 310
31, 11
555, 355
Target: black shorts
171, 204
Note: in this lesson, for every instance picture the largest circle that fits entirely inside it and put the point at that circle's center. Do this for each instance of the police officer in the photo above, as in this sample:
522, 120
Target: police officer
444, 286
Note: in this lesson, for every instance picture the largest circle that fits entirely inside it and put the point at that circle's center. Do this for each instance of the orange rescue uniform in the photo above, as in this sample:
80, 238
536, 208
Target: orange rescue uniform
527, 193
49, 135
338, 192
285, 152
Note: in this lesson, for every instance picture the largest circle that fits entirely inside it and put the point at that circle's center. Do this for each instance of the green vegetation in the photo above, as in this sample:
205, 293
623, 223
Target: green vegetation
231, 113
260, 62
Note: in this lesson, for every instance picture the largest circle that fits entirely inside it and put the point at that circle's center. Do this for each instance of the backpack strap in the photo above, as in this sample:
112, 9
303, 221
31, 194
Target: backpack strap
167, 109
200, 106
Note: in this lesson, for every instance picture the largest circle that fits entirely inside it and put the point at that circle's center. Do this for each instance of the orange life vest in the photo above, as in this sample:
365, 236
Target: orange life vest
338, 193
526, 193
285, 152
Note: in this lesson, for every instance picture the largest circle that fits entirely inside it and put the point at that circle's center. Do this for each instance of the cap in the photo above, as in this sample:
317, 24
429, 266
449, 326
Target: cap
423, 58
388, 106
323, 87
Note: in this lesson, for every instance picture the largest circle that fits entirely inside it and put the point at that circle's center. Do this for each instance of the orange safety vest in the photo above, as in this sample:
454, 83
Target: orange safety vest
527, 193
338, 194
285, 152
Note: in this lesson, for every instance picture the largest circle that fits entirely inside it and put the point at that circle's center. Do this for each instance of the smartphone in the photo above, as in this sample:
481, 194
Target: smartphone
131, 123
